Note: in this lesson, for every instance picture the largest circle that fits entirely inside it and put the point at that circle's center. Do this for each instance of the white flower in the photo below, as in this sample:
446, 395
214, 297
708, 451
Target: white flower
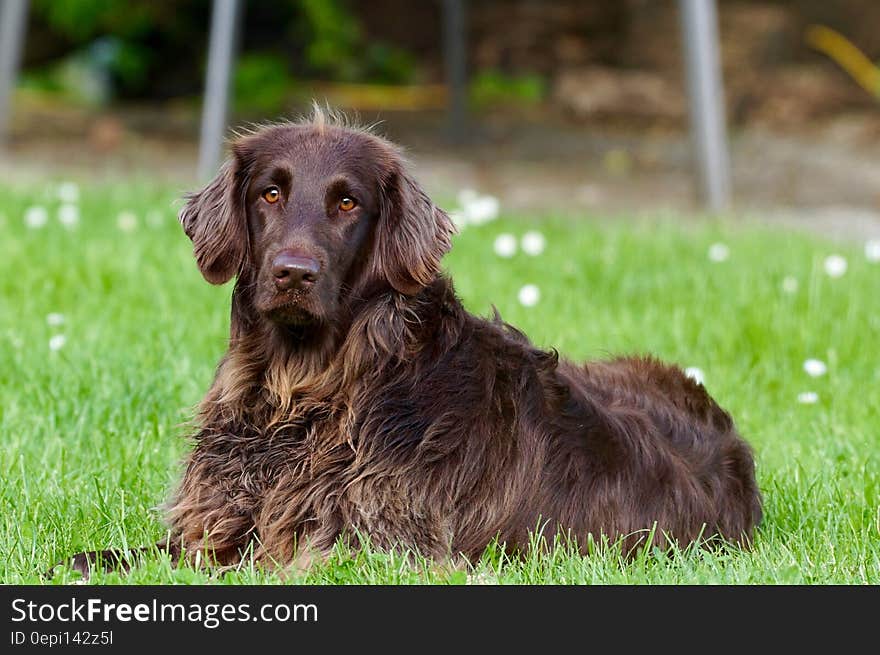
54, 319
57, 342
808, 398
815, 367
835, 265
695, 374
790, 284
529, 295
36, 217
126, 221
719, 252
68, 192
475, 209
872, 250
482, 210
505, 245
533, 243
481, 578
68, 215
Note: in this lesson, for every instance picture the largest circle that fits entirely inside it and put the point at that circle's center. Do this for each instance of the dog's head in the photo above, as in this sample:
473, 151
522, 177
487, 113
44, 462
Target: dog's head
310, 214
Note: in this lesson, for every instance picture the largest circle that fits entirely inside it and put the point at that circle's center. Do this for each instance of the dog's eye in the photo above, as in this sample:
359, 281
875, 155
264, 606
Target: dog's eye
271, 195
347, 204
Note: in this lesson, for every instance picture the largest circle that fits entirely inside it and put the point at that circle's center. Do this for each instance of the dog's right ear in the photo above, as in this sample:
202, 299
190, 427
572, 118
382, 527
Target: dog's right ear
215, 219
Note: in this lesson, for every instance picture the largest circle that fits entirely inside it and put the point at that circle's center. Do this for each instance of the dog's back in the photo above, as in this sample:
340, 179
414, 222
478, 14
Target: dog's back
657, 448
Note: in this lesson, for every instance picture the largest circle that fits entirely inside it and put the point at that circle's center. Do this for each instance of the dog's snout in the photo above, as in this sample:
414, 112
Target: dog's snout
293, 271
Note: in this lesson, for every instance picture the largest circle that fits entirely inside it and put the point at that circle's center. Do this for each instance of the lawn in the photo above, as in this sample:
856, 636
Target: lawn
109, 336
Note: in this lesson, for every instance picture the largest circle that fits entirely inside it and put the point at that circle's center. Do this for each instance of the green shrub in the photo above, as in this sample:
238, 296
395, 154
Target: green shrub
261, 84
491, 87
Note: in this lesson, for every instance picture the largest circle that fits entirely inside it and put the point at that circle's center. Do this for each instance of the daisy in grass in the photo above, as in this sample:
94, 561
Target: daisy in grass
533, 243
719, 252
695, 374
815, 368
68, 192
529, 295
505, 245
808, 398
36, 217
126, 221
835, 266
68, 215
475, 209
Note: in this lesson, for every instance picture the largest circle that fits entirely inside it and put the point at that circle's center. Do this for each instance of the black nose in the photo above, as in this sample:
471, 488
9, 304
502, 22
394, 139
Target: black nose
294, 271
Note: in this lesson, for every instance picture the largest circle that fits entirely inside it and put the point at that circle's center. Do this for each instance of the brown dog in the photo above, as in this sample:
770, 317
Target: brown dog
358, 397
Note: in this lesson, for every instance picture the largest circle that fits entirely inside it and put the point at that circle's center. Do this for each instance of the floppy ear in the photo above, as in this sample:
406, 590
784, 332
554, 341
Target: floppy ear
214, 218
412, 235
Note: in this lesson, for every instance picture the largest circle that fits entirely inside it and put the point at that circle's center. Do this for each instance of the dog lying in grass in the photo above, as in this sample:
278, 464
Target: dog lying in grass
359, 397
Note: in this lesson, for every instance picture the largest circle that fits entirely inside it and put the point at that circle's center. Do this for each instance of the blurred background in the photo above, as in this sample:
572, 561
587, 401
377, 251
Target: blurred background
695, 179
565, 103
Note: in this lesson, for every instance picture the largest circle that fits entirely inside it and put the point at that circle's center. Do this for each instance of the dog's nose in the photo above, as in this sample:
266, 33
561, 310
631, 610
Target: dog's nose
294, 272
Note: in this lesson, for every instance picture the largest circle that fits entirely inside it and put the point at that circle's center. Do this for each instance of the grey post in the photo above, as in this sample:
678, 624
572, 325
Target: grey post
13, 23
224, 14
699, 21
454, 51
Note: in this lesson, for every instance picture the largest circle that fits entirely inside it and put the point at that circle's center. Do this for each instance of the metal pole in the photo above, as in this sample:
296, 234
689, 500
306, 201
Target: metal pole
13, 24
699, 21
216, 99
454, 55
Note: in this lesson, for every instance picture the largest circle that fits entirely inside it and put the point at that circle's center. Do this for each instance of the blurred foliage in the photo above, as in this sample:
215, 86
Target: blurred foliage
262, 84
80, 20
95, 50
491, 87
332, 36
389, 65
336, 46
107, 37
92, 74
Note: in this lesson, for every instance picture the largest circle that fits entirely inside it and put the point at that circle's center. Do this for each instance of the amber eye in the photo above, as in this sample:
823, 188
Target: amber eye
271, 195
347, 204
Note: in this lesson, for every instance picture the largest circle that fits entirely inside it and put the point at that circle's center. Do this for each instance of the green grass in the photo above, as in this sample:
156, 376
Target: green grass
91, 436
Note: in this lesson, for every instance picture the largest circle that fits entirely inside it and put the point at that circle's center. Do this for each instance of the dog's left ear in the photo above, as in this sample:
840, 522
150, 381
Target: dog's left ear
412, 234
214, 219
